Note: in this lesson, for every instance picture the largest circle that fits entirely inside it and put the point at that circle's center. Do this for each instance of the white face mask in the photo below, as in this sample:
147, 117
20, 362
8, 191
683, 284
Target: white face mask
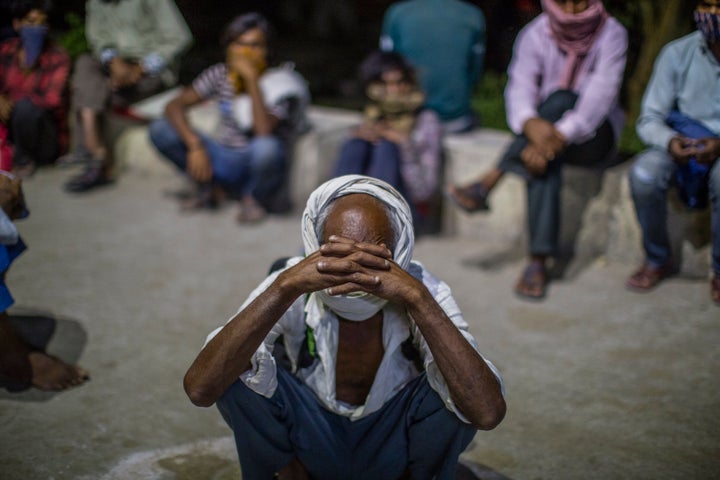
355, 307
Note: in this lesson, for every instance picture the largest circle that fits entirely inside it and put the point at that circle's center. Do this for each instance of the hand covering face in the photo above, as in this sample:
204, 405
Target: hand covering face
358, 306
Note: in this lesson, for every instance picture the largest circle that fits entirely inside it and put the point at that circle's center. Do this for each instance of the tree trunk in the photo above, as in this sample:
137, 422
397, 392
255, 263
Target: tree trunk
661, 22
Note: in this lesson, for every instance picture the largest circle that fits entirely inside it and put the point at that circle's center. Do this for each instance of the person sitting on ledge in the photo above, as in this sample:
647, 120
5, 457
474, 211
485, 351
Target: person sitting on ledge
136, 48
384, 378
399, 141
33, 91
261, 110
562, 103
682, 129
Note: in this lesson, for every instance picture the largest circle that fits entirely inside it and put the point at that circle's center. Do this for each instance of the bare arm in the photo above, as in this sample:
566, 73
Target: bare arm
198, 162
473, 386
228, 355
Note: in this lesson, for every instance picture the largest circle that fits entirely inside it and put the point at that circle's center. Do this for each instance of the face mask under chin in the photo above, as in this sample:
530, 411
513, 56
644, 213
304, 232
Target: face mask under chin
355, 307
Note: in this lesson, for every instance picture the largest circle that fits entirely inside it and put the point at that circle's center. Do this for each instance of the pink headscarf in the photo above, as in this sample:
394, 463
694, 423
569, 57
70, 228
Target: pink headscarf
575, 34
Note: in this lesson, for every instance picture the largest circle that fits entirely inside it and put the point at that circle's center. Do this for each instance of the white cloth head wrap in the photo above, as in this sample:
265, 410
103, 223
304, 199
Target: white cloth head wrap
357, 306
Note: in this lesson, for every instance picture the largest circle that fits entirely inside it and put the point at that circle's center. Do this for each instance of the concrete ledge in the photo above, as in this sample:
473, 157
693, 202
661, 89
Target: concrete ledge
598, 215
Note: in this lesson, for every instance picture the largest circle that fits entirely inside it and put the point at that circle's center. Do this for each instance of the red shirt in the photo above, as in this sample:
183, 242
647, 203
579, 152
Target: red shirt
45, 84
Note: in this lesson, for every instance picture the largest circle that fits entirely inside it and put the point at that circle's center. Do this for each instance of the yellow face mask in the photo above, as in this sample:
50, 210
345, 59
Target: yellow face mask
255, 57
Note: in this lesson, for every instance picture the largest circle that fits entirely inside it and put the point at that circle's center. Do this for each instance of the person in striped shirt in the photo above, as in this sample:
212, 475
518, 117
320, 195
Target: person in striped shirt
260, 110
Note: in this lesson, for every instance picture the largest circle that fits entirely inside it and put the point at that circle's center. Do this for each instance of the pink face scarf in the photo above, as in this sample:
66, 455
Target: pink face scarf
575, 34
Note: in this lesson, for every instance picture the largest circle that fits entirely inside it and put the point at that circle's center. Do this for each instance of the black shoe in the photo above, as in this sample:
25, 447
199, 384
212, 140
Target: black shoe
92, 177
73, 158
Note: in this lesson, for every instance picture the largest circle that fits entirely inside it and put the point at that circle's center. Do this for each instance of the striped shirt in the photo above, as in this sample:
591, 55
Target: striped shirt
213, 83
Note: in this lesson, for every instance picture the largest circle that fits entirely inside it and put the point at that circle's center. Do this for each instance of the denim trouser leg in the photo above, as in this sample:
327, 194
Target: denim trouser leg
258, 169
378, 160
543, 192
267, 167
413, 430
385, 165
168, 142
33, 132
714, 197
228, 164
354, 157
650, 178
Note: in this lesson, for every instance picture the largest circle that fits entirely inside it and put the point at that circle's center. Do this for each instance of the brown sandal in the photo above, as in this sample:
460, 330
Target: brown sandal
648, 277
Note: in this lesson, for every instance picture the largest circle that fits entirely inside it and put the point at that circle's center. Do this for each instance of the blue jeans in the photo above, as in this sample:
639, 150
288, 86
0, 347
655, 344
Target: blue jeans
258, 170
543, 191
650, 177
379, 160
413, 430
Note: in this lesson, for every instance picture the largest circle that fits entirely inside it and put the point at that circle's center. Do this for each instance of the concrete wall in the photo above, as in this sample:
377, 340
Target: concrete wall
598, 216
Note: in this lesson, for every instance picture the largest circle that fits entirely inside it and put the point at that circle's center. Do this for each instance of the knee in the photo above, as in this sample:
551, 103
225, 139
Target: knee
557, 103
387, 148
267, 152
353, 146
649, 173
25, 111
162, 134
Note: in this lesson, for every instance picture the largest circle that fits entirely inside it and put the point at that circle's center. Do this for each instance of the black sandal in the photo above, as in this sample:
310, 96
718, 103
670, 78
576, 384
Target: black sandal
472, 198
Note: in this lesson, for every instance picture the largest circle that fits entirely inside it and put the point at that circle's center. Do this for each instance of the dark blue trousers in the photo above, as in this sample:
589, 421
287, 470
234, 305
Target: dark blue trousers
413, 431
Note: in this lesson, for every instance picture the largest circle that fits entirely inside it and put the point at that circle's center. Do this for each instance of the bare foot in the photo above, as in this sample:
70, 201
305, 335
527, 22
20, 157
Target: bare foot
22, 367
49, 373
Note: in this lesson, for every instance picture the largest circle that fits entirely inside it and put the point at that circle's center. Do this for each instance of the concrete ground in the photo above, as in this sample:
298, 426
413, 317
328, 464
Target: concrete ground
601, 382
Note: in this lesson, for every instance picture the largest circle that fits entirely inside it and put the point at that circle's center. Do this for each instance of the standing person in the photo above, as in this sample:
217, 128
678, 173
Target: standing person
136, 47
398, 142
33, 89
386, 382
261, 109
21, 365
444, 40
562, 103
680, 123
